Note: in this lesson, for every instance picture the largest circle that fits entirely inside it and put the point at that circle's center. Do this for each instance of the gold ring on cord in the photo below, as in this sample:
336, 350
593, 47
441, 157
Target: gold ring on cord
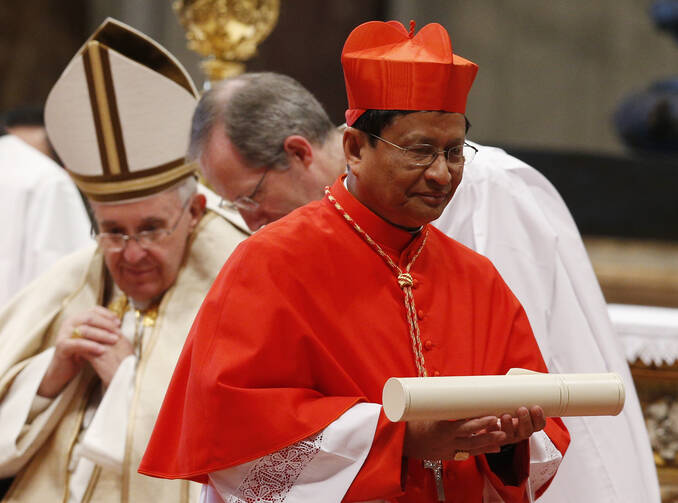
461, 455
76, 334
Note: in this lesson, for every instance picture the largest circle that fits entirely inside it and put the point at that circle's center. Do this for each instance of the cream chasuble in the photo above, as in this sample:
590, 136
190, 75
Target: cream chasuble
51, 450
101, 440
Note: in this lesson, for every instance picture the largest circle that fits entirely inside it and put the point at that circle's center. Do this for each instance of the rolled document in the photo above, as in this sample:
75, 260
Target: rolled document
462, 397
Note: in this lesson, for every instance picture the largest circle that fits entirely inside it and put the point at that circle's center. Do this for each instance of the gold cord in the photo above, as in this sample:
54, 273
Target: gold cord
404, 279
405, 282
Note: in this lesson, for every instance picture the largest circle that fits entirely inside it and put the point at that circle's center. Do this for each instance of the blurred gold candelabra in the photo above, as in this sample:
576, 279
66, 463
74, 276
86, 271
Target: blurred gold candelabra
226, 32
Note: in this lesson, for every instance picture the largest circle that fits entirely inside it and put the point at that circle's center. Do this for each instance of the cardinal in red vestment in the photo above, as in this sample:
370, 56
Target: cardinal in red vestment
276, 396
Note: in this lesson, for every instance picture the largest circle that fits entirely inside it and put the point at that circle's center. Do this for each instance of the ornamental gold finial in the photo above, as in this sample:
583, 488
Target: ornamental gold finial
226, 32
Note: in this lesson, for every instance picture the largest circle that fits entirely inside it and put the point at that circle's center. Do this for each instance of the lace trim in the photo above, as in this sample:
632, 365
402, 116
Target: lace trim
272, 477
541, 472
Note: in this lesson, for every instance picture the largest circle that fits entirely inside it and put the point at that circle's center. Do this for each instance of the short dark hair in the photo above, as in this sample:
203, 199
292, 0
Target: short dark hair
30, 116
27, 115
375, 121
258, 111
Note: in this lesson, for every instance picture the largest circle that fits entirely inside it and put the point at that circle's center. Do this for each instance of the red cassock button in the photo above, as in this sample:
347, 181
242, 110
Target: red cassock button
415, 283
436, 373
420, 314
428, 345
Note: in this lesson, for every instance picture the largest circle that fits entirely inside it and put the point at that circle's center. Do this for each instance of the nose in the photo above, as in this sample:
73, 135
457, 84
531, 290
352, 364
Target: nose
133, 252
439, 171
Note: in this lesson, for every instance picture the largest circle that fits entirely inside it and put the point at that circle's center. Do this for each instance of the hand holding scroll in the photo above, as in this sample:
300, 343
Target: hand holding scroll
443, 439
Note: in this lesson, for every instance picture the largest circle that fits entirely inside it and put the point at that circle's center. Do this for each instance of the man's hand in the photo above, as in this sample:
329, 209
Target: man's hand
97, 330
442, 439
524, 425
107, 363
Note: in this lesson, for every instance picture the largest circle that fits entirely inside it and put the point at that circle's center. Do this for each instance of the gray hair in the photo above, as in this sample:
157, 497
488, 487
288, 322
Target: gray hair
186, 189
258, 111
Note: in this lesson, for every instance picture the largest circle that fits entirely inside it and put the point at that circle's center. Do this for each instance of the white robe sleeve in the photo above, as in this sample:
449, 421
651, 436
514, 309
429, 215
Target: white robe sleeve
545, 459
46, 217
57, 225
325, 464
19, 408
105, 438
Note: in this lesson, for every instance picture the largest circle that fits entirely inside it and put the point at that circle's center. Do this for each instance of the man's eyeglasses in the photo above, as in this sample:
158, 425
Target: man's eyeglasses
246, 203
424, 155
116, 241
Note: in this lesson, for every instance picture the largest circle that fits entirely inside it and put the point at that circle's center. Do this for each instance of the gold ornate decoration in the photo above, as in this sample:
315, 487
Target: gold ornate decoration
118, 305
142, 319
226, 32
146, 317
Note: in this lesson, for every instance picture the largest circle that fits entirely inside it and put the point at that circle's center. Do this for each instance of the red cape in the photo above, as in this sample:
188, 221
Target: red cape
305, 320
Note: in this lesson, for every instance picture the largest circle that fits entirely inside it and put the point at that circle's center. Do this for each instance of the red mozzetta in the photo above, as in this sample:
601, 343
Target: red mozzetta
306, 319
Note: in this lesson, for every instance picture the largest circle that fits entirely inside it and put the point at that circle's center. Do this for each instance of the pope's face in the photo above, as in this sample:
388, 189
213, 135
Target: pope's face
145, 274
390, 185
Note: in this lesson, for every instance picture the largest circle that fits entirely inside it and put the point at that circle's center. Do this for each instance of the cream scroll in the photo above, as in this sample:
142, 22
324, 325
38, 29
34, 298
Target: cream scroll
460, 397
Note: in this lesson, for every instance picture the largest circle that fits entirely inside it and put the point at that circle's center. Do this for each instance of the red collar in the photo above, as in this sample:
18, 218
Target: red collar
383, 232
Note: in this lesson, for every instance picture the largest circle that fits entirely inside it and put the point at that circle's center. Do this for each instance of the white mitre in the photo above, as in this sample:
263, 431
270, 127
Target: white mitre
120, 115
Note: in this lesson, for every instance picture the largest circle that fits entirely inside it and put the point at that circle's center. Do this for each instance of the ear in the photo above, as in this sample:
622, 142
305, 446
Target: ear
355, 141
197, 209
299, 151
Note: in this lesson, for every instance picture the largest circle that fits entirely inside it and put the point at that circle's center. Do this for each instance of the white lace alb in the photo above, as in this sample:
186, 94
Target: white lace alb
273, 476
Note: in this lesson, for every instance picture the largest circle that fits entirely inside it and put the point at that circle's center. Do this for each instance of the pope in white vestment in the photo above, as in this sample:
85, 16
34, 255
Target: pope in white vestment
82, 443
87, 349
43, 214
509, 212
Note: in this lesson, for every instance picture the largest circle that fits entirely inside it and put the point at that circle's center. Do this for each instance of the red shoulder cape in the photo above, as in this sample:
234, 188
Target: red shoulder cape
305, 320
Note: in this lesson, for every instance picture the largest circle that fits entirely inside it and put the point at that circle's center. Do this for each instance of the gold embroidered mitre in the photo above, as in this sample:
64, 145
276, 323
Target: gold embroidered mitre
119, 116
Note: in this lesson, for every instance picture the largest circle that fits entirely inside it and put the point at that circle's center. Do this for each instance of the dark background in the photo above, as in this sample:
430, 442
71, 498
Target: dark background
627, 195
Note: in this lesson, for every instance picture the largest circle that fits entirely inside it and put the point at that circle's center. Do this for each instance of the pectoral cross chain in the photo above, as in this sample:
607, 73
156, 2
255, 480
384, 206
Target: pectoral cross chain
436, 467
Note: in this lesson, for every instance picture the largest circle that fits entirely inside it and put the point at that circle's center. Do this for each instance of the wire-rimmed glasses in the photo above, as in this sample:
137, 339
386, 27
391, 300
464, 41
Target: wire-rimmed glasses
117, 241
424, 155
246, 203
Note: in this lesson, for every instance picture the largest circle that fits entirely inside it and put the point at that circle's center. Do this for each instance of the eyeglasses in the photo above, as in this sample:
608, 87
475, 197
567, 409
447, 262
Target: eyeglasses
424, 155
246, 203
116, 241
